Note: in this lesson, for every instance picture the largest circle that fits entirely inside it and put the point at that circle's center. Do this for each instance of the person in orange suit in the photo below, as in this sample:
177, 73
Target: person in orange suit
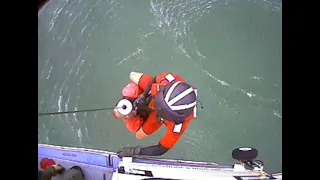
150, 102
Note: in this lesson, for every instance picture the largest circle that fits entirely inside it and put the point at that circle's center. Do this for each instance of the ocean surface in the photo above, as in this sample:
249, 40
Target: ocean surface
231, 50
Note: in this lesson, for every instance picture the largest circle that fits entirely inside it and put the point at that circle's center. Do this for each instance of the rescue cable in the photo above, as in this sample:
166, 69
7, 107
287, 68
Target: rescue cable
87, 110
68, 112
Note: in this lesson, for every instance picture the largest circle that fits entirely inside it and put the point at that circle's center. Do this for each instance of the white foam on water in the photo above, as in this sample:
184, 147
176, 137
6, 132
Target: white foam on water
130, 56
82, 62
46, 134
148, 34
49, 73
87, 132
75, 63
223, 83
66, 108
53, 20
144, 35
200, 55
184, 51
47, 61
256, 78
77, 103
55, 86
65, 39
82, 30
270, 5
66, 89
276, 113
79, 135
59, 103
75, 114
72, 128
249, 94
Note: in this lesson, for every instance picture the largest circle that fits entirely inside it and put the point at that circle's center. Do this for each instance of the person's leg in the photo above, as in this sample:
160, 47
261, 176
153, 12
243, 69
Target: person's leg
131, 91
142, 80
149, 127
133, 125
135, 77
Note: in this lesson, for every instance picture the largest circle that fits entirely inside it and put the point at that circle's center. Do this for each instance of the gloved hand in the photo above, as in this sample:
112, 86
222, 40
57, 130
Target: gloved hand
58, 168
139, 100
129, 151
51, 171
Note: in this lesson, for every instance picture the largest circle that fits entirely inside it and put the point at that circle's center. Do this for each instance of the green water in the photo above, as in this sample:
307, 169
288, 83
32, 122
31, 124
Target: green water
229, 50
